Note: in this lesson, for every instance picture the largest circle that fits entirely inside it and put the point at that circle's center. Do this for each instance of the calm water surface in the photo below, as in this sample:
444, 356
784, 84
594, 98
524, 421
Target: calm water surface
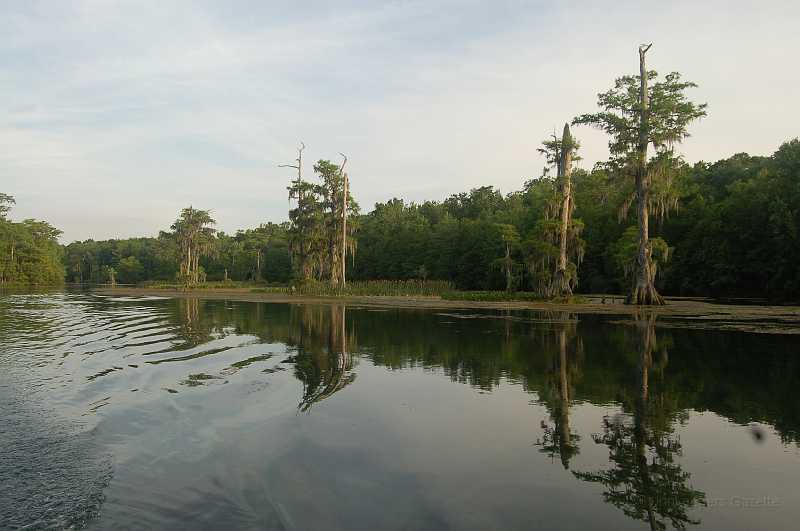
148, 413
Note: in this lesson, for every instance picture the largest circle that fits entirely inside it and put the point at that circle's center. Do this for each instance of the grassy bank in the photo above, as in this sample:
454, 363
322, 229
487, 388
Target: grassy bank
678, 313
374, 288
500, 296
220, 284
368, 288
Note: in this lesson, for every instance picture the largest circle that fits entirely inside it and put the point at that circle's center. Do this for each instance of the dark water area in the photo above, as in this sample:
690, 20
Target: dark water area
149, 413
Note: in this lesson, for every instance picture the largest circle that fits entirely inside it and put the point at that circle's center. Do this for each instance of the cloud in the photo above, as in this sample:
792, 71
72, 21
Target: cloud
113, 115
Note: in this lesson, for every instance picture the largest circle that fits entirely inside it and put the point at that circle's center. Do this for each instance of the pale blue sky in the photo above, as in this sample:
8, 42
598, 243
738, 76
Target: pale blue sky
114, 115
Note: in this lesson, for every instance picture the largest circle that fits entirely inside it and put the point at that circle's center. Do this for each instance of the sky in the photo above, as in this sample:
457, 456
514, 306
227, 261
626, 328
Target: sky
114, 115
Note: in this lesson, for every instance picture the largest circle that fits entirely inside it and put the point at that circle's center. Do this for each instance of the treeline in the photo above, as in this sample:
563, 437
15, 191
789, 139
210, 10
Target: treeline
642, 223
254, 255
29, 250
311, 246
734, 233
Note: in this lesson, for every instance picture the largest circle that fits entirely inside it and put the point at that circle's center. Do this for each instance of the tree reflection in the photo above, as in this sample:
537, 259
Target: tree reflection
557, 438
194, 327
646, 482
481, 348
324, 370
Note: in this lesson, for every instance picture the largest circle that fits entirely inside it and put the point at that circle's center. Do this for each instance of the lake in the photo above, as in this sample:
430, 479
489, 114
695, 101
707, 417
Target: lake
156, 413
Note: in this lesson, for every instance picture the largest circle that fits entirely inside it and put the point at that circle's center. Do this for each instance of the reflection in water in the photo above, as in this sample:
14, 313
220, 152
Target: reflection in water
645, 481
328, 369
197, 402
558, 439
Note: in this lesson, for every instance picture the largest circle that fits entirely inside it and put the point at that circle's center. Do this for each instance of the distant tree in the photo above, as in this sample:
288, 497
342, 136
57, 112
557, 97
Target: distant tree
565, 232
339, 236
635, 116
130, 270
112, 276
542, 243
193, 233
510, 240
306, 223
29, 250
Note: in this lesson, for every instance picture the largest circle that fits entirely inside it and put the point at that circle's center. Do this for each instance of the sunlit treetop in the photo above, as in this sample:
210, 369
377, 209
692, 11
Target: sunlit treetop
669, 114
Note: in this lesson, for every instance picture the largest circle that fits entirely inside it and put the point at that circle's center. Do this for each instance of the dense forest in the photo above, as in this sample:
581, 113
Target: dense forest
642, 223
735, 233
29, 249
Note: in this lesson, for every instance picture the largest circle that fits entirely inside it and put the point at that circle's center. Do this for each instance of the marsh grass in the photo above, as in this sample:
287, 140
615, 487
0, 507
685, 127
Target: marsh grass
371, 288
502, 296
219, 284
378, 288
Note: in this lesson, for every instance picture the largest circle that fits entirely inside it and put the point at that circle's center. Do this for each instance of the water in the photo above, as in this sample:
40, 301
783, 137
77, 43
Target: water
148, 413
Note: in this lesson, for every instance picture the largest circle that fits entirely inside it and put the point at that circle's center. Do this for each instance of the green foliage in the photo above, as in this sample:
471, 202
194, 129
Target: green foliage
239, 255
391, 288
213, 284
130, 270
194, 237
88, 261
490, 296
739, 232
624, 253
634, 118
669, 114
315, 224
736, 234
29, 250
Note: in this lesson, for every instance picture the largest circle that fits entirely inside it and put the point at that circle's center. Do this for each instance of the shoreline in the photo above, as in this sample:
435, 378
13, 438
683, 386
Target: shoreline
678, 313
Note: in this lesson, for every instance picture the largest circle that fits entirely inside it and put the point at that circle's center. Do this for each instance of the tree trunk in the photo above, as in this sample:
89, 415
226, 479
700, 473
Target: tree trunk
647, 339
344, 227
187, 266
644, 289
565, 435
509, 277
562, 284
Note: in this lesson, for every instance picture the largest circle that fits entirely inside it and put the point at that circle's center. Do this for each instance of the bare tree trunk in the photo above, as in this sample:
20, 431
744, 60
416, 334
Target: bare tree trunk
187, 266
562, 286
305, 269
344, 224
344, 227
194, 265
644, 289
647, 340
343, 362
565, 437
